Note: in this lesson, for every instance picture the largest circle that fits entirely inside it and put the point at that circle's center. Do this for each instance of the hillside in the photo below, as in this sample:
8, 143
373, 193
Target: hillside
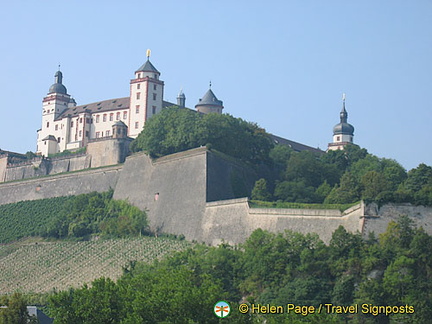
37, 266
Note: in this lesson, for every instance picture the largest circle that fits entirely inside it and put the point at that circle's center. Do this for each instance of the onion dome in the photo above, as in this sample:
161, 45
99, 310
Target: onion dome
58, 87
343, 127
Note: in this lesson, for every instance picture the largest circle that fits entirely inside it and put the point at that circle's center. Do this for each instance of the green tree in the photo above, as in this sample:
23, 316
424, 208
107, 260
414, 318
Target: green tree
174, 130
347, 192
280, 154
260, 191
373, 184
100, 303
292, 191
15, 311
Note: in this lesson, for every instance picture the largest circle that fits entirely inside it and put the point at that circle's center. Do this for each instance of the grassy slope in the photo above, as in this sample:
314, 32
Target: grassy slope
38, 266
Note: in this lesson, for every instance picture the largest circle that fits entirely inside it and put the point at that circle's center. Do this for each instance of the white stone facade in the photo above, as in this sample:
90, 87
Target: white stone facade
66, 126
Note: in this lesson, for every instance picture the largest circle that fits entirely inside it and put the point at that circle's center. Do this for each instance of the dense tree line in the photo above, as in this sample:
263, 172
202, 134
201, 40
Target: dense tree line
276, 269
175, 130
343, 176
335, 177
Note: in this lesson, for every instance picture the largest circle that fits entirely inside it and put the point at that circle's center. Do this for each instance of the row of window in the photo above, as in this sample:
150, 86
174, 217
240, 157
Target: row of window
138, 96
137, 109
104, 119
154, 75
101, 134
111, 116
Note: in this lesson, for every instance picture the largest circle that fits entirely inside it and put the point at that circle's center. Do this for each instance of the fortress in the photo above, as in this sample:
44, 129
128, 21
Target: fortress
199, 193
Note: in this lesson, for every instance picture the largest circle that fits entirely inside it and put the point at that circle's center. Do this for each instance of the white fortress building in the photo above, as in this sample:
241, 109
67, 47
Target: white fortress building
66, 126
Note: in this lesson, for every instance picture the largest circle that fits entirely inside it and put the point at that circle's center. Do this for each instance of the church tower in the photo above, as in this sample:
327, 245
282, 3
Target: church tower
343, 132
54, 103
209, 103
146, 96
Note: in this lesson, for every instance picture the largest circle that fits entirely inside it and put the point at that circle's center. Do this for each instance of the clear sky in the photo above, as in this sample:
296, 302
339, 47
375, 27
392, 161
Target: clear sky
282, 64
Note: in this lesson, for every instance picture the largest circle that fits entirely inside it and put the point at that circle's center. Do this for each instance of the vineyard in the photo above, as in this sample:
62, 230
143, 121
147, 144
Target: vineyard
38, 266
28, 218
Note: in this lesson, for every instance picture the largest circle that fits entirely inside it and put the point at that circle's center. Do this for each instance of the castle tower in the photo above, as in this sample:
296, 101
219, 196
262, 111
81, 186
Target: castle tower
209, 103
181, 99
146, 96
343, 132
54, 103
119, 130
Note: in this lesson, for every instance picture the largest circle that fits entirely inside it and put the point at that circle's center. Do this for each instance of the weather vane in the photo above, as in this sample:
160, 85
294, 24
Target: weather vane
148, 52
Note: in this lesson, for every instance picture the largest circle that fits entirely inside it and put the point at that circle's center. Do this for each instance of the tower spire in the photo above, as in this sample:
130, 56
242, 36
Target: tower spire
343, 113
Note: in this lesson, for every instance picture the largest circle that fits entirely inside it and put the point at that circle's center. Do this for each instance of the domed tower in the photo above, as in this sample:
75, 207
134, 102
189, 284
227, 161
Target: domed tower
146, 96
343, 132
209, 103
55, 102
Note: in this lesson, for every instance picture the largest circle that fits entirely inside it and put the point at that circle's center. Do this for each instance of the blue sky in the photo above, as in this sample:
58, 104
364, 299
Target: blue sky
281, 64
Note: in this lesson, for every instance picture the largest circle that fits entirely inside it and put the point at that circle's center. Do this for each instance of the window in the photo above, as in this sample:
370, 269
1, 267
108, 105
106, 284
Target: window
97, 134
111, 117
139, 86
154, 86
138, 95
107, 133
337, 138
155, 76
97, 118
137, 109
56, 127
88, 121
58, 139
139, 76
125, 115
154, 96
104, 117
80, 134
154, 110
136, 125
87, 133
118, 116
71, 124
47, 124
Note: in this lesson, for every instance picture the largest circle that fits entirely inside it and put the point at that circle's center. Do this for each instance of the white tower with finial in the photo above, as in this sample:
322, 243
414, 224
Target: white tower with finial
343, 133
51, 135
146, 96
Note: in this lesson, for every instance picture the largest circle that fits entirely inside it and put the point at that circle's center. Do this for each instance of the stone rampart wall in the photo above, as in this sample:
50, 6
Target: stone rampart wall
188, 193
234, 220
60, 185
377, 218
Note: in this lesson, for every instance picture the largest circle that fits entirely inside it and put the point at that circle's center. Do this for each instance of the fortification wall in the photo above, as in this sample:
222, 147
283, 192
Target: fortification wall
233, 221
189, 193
172, 189
3, 165
108, 151
377, 218
60, 185
228, 178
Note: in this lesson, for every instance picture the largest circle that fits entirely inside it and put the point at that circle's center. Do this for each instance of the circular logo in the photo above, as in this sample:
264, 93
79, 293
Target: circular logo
222, 309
